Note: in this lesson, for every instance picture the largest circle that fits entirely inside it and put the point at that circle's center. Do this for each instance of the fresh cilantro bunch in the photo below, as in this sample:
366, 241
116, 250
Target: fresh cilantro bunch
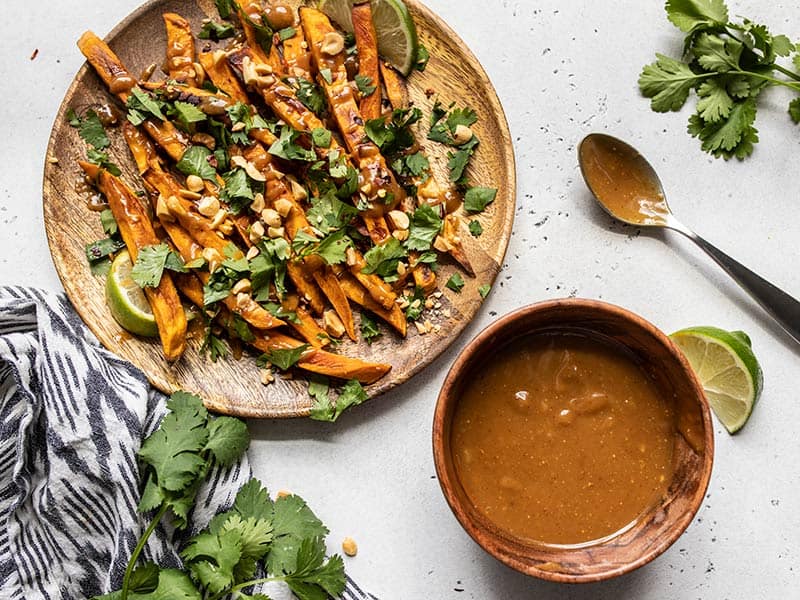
728, 65
257, 541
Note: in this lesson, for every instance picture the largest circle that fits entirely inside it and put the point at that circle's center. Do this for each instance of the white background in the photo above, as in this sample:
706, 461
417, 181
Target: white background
561, 69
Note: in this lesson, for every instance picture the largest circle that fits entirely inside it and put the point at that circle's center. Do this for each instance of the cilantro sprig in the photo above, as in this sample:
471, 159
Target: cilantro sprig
727, 65
258, 540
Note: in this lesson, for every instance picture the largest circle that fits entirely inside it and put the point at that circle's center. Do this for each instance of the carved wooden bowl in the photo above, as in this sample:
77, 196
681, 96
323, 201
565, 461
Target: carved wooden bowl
658, 527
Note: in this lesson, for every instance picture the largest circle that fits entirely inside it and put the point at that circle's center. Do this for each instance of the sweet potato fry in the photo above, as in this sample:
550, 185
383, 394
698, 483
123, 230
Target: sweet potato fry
380, 186
216, 67
395, 86
356, 292
180, 49
367, 44
321, 361
137, 232
120, 82
329, 285
450, 232
296, 56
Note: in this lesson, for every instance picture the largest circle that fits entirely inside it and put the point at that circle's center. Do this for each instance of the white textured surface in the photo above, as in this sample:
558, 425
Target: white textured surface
561, 70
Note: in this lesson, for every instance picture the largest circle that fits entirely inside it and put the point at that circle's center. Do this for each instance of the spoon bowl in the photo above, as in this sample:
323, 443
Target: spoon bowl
628, 188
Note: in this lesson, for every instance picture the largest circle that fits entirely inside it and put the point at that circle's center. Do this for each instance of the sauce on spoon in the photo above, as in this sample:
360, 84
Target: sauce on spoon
623, 181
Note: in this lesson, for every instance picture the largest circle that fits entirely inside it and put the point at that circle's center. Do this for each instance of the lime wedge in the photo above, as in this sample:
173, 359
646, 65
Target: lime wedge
126, 300
394, 27
727, 368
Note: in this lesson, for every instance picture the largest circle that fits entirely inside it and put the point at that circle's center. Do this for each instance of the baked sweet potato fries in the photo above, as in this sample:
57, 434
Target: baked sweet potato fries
281, 166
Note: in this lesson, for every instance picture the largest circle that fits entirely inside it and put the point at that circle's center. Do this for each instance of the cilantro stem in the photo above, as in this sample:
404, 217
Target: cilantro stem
787, 72
772, 80
126, 580
245, 584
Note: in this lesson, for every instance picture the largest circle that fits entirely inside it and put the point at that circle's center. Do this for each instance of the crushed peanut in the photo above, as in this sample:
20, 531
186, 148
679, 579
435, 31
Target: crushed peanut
218, 218
333, 324
400, 234
266, 376
248, 167
162, 212
208, 206
462, 134
276, 232
398, 219
242, 286
194, 183
420, 328
283, 206
258, 204
252, 253
332, 43
190, 195
271, 217
349, 546
257, 232
212, 257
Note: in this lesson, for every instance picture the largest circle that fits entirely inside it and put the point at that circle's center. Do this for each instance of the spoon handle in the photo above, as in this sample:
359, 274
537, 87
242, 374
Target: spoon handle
783, 308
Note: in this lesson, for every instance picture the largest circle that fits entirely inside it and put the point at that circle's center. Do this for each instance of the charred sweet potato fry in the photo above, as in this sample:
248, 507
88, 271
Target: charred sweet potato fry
180, 49
367, 44
137, 232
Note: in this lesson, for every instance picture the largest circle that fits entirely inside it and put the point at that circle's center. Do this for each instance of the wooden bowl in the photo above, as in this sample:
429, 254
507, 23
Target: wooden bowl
657, 528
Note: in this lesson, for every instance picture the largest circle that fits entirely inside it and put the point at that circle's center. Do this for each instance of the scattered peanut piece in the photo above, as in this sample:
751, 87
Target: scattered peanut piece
349, 546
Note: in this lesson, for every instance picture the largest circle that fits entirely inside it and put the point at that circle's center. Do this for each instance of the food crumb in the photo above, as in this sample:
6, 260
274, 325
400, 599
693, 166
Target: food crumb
35, 54
349, 546
283, 493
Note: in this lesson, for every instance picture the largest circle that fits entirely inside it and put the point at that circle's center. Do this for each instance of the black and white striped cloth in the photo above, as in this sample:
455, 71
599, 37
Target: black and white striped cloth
72, 417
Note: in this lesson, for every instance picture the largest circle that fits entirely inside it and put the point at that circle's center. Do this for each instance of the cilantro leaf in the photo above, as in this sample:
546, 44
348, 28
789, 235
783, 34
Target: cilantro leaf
424, 227
416, 304
321, 137
283, 359
715, 103
475, 228
455, 283
794, 110
365, 85
311, 96
286, 33
668, 83
369, 329
195, 162
227, 439
286, 146
328, 213
92, 131
93, 155
484, 290
383, 259
714, 53
734, 136
215, 31
253, 501
691, 15
293, 521
102, 248
351, 394
108, 222
173, 451
186, 114
212, 345
151, 262
423, 56
238, 190
141, 106
478, 198
312, 578
333, 248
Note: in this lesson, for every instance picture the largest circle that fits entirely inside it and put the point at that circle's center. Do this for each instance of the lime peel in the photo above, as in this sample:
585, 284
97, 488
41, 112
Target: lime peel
727, 368
126, 300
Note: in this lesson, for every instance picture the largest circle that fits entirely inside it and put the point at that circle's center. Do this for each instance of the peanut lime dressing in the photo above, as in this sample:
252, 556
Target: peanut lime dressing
563, 438
621, 180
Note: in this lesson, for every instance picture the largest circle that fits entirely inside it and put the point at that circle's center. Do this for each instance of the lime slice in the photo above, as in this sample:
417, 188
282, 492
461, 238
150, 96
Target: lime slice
397, 34
727, 368
126, 300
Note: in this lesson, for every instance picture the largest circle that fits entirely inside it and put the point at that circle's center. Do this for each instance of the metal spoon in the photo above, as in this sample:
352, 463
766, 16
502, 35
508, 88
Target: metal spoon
629, 189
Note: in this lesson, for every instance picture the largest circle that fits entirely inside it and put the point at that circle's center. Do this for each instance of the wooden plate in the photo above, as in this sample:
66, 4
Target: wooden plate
232, 386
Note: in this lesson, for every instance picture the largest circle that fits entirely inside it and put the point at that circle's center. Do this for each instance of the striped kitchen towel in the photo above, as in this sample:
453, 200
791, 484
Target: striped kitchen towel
72, 417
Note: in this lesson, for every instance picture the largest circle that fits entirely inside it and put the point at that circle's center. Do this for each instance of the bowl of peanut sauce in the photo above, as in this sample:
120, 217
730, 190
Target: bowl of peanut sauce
573, 441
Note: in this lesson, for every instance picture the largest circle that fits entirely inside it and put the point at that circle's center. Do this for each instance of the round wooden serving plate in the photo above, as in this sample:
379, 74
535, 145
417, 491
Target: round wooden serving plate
232, 386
